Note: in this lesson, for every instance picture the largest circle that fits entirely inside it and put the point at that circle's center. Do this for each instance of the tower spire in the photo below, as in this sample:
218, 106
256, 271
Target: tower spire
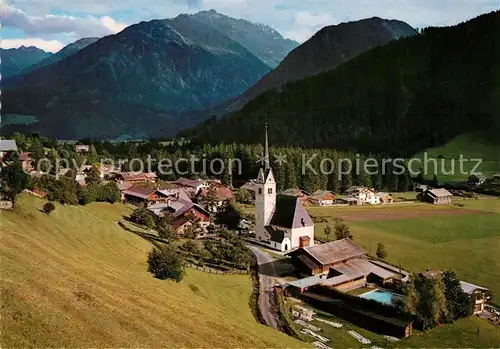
266, 155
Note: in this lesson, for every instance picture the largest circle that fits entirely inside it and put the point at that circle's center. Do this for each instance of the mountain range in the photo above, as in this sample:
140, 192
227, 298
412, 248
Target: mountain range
326, 50
401, 97
66, 51
138, 81
15, 60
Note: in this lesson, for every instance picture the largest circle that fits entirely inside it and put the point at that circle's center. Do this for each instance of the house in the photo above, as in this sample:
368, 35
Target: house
143, 197
476, 179
341, 264
221, 194
184, 213
80, 179
194, 185
421, 188
317, 259
299, 193
322, 198
384, 198
281, 221
436, 196
26, 160
82, 149
7, 145
479, 294
137, 177
357, 195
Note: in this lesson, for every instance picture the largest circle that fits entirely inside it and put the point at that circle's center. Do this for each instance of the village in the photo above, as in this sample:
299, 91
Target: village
301, 274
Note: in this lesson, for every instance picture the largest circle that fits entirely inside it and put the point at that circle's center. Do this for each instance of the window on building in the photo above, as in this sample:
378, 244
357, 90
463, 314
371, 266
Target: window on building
260, 190
269, 190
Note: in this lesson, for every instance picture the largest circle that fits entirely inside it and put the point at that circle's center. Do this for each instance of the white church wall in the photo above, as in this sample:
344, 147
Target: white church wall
296, 233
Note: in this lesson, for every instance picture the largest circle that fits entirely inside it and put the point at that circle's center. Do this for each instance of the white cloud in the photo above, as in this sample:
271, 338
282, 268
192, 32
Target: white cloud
55, 24
112, 25
46, 45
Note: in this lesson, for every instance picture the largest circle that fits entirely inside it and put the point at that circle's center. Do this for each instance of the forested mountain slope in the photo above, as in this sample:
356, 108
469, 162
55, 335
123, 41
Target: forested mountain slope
401, 97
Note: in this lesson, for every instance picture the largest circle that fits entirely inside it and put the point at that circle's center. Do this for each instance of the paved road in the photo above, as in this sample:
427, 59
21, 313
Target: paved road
266, 285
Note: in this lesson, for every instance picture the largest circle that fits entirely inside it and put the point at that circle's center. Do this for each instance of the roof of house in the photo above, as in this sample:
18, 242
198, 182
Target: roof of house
8, 145
358, 188
150, 175
222, 192
336, 251
277, 235
289, 213
139, 192
439, 193
124, 185
133, 176
177, 192
469, 288
361, 266
321, 194
250, 185
25, 156
295, 192
186, 182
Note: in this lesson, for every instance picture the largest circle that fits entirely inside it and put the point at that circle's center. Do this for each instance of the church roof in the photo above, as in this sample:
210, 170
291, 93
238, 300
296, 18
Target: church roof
289, 213
264, 175
276, 234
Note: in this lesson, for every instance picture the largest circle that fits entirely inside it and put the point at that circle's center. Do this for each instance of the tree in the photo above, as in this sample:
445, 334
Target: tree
144, 217
435, 181
92, 176
165, 228
243, 196
229, 215
190, 232
459, 303
328, 231
48, 207
381, 252
190, 246
108, 192
341, 229
166, 263
13, 178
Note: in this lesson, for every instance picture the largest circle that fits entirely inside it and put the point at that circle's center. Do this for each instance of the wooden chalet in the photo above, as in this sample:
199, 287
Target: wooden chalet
143, 197
299, 193
322, 198
436, 196
318, 259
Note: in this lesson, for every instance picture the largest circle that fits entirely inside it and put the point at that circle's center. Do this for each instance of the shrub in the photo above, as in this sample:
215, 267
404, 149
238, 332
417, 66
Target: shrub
144, 217
341, 229
48, 207
381, 252
166, 263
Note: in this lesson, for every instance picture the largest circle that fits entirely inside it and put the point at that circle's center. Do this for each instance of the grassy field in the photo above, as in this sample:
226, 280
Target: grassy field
471, 146
76, 279
467, 243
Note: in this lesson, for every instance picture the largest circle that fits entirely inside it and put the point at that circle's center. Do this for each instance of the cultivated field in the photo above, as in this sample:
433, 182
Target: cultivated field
75, 279
419, 236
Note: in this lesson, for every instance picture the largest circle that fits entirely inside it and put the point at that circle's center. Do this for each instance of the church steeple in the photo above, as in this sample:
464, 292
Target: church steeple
266, 155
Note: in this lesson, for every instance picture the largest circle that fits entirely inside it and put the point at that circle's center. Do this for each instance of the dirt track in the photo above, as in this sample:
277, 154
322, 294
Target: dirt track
382, 215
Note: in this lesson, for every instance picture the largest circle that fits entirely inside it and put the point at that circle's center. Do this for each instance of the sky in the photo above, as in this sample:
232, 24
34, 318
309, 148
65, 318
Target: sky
52, 24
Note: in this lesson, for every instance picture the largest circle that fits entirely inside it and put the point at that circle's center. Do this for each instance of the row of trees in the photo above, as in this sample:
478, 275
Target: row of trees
436, 300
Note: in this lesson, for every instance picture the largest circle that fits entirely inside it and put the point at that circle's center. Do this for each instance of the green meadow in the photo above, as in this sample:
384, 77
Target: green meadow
76, 279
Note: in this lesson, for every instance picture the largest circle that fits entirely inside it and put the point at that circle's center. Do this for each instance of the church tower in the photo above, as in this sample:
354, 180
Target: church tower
265, 197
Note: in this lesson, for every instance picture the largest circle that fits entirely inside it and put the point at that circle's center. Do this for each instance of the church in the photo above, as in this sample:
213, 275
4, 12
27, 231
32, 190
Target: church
280, 220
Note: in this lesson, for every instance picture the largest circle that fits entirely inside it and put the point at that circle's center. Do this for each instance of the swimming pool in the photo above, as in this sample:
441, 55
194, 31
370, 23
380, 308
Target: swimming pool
382, 296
